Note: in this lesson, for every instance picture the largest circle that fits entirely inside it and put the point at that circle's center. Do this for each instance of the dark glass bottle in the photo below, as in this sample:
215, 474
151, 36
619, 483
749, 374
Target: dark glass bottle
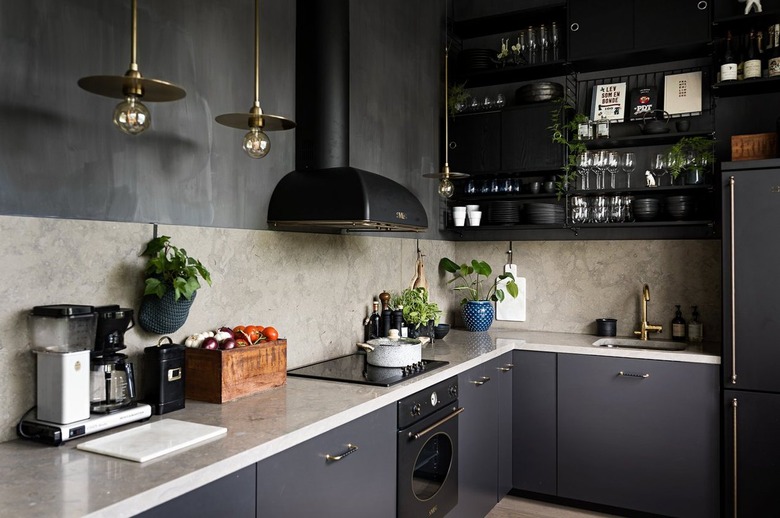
695, 334
773, 57
728, 64
374, 322
752, 66
678, 326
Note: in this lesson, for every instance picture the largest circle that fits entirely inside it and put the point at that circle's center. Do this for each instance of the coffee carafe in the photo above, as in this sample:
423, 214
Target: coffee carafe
112, 380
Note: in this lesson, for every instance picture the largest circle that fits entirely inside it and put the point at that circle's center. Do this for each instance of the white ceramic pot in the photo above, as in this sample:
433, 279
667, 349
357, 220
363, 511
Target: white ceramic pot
383, 352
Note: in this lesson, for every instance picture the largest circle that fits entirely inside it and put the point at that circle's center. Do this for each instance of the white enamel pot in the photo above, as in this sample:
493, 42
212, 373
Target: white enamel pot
383, 352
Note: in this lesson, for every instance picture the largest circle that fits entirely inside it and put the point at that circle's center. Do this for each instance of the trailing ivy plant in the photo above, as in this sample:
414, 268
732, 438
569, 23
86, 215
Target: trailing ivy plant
564, 122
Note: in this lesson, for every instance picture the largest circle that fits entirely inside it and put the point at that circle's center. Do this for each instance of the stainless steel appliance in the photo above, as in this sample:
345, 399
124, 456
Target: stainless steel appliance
751, 326
428, 451
353, 368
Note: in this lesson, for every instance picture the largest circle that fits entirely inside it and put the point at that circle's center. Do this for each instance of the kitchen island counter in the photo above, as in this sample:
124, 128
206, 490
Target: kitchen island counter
39, 480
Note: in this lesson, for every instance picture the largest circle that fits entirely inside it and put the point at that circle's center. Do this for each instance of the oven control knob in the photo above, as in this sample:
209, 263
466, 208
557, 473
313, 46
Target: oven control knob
416, 409
453, 391
434, 399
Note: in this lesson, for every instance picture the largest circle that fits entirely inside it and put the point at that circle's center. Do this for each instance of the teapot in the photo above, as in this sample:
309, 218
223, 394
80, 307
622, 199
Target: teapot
655, 125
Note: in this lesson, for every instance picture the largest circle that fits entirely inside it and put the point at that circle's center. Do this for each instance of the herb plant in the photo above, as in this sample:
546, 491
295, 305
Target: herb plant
171, 268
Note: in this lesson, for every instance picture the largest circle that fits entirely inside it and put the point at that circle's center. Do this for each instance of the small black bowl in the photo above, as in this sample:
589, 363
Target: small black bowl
441, 330
606, 326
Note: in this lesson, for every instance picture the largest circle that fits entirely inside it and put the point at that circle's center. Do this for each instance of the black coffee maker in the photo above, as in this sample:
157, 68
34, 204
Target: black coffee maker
112, 379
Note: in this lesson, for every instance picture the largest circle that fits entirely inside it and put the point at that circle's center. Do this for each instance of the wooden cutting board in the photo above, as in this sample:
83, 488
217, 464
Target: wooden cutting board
152, 440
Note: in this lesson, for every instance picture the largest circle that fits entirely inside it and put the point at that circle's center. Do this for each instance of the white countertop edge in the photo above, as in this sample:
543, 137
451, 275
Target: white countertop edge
641, 354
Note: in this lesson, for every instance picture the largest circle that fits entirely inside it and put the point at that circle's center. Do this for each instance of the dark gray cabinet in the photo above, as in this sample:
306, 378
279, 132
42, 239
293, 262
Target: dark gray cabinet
477, 449
526, 143
505, 375
475, 143
302, 481
232, 495
534, 404
639, 434
752, 453
599, 27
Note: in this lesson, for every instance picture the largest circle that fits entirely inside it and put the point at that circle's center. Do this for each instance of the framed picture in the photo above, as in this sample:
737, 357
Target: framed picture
682, 93
609, 102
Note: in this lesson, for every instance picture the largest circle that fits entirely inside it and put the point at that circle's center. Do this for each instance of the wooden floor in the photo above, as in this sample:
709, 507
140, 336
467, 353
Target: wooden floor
516, 507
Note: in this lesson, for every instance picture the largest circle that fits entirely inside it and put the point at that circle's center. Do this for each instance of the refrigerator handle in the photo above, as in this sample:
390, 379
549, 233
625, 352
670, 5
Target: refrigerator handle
733, 286
734, 452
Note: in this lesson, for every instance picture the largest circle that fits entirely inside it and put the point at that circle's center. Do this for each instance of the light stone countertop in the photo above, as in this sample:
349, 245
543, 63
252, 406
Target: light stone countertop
38, 480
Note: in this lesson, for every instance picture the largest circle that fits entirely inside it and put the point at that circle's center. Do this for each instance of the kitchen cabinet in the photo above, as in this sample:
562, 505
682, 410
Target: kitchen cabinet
303, 481
232, 495
639, 434
505, 375
752, 453
477, 441
526, 144
534, 429
475, 143
599, 27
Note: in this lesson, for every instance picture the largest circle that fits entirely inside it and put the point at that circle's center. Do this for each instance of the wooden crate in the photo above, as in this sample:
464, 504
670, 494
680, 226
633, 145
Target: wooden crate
221, 376
754, 147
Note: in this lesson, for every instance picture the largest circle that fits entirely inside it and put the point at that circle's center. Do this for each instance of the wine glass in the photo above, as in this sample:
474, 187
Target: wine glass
613, 164
659, 167
584, 163
628, 164
599, 167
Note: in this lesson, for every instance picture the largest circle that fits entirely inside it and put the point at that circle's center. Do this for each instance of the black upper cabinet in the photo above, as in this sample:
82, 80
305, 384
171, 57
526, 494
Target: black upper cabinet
620, 31
475, 143
526, 144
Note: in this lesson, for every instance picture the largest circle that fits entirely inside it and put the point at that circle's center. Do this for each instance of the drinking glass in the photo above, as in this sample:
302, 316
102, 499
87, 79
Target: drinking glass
555, 42
584, 163
599, 208
613, 164
599, 167
533, 46
671, 163
659, 168
579, 209
628, 163
544, 44
500, 101
617, 208
628, 209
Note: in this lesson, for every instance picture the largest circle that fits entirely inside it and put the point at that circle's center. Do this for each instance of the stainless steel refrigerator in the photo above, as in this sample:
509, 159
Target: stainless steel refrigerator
751, 337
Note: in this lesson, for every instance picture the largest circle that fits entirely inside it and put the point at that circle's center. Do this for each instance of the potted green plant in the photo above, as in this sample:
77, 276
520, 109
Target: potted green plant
692, 156
564, 125
170, 286
480, 293
419, 312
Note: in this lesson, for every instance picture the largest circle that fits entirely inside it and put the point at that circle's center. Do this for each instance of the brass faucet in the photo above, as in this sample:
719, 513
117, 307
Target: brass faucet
645, 326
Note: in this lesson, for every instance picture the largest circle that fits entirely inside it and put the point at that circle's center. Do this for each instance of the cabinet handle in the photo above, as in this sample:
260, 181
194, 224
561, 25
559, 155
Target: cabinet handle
453, 144
702, 5
734, 474
481, 381
506, 368
333, 458
574, 27
733, 286
633, 374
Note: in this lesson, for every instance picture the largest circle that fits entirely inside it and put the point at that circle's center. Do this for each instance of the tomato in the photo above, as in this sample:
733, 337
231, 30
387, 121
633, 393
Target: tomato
270, 333
252, 332
238, 328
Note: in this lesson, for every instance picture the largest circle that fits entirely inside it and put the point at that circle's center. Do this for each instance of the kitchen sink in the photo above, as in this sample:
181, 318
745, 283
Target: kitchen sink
633, 343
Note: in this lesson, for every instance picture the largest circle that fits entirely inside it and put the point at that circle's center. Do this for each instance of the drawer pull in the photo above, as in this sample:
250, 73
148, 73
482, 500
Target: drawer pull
481, 381
633, 374
506, 368
333, 458
702, 5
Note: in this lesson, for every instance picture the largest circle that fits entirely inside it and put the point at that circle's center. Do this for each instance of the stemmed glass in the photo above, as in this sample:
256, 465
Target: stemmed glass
584, 163
628, 164
659, 167
613, 164
599, 167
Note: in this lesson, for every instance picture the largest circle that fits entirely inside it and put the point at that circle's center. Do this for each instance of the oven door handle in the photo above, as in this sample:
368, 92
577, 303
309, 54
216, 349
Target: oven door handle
438, 423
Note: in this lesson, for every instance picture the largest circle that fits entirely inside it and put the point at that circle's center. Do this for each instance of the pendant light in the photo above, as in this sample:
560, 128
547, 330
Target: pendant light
256, 142
446, 188
131, 116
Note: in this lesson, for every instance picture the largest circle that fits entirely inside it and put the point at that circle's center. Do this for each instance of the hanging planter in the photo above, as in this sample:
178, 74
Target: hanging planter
164, 315
170, 286
478, 315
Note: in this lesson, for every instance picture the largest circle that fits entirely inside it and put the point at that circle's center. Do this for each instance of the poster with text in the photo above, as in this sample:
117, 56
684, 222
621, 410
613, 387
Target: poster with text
682, 93
609, 102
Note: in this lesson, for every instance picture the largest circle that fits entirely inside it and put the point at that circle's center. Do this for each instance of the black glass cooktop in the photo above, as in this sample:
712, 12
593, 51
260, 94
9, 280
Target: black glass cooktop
353, 368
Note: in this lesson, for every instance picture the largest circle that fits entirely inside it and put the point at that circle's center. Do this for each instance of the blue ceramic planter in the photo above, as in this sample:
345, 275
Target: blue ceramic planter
478, 315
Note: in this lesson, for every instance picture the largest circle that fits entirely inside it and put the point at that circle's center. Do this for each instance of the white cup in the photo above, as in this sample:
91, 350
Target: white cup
459, 219
458, 210
475, 217
471, 208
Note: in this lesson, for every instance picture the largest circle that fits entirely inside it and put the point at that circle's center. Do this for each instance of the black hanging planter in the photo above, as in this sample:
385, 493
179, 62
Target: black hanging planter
164, 315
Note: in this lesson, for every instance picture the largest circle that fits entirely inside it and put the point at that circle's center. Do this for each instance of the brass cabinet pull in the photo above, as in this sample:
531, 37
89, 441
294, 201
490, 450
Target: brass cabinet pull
633, 374
333, 458
733, 284
455, 412
734, 452
481, 381
506, 368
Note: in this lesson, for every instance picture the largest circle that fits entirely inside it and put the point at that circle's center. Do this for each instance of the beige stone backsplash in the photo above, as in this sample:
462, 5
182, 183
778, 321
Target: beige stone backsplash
316, 289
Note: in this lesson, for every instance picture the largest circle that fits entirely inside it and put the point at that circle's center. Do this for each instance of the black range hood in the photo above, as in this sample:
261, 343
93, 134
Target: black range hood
324, 192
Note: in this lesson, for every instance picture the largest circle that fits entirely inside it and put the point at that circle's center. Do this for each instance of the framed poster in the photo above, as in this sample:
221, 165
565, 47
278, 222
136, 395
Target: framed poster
609, 102
682, 93
642, 100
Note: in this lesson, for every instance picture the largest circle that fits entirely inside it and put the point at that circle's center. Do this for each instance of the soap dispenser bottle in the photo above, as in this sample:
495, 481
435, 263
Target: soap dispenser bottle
695, 327
678, 325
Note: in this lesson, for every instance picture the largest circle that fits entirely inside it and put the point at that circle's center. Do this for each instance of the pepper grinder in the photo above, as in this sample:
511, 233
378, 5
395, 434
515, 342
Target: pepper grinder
384, 297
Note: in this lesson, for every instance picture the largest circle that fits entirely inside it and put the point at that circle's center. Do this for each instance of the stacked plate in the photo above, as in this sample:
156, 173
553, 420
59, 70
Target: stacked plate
503, 212
646, 209
538, 92
544, 213
476, 59
679, 207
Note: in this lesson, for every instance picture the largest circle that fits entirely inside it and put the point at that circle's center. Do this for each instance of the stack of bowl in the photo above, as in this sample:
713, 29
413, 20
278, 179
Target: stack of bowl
679, 207
646, 209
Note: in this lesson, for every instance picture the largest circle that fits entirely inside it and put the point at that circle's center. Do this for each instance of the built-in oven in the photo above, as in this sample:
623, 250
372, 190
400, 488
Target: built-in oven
428, 451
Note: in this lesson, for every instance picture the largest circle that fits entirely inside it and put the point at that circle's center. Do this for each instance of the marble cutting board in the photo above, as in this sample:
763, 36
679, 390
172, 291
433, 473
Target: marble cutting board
152, 440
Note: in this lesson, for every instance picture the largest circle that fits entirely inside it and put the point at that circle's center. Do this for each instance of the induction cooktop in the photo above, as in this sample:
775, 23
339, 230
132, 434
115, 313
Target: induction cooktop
353, 368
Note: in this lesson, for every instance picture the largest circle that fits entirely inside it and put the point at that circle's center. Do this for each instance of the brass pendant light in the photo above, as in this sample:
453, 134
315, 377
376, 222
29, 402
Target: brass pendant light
256, 142
131, 116
446, 188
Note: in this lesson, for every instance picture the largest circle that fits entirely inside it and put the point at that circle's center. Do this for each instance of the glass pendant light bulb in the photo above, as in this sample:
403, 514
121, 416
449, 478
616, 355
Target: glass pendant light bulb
131, 116
446, 189
256, 143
